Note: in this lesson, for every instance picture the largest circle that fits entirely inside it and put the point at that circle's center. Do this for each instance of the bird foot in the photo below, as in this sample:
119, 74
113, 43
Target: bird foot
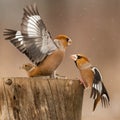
83, 83
57, 76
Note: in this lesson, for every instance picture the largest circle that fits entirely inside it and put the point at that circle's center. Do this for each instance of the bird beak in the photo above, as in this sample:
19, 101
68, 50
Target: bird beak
73, 57
69, 42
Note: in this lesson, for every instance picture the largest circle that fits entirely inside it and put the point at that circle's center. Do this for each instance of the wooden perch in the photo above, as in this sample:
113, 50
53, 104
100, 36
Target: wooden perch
40, 99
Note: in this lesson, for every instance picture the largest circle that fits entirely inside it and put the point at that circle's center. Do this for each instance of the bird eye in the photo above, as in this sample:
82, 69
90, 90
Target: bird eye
67, 39
79, 57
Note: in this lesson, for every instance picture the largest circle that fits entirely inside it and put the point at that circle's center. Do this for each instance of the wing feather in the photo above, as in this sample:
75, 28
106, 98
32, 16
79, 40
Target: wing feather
98, 89
33, 40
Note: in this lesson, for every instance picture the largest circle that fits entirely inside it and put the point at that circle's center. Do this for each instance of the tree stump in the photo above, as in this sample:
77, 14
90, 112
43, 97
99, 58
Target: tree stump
40, 99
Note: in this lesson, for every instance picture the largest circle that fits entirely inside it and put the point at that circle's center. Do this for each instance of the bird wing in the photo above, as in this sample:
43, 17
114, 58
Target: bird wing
33, 40
98, 89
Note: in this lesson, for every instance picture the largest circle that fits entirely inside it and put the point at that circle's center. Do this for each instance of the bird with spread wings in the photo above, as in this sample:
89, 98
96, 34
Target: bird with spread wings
36, 43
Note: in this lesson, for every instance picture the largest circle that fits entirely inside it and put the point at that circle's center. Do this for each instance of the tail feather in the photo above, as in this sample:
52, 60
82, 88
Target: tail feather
103, 96
99, 91
96, 102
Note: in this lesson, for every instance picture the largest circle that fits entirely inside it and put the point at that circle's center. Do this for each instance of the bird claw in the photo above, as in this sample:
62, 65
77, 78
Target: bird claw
57, 76
83, 83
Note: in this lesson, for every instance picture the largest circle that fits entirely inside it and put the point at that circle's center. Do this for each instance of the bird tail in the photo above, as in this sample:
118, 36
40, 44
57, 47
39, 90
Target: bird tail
105, 97
96, 102
100, 93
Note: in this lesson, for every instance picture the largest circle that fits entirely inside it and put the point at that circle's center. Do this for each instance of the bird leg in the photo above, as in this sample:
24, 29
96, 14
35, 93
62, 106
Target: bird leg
57, 76
83, 82
53, 75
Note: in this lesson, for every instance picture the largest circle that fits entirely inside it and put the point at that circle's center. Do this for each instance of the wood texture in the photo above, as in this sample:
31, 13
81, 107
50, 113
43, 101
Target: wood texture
40, 99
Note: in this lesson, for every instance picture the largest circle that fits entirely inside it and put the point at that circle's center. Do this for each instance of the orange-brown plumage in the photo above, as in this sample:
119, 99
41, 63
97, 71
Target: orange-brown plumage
92, 78
47, 66
36, 43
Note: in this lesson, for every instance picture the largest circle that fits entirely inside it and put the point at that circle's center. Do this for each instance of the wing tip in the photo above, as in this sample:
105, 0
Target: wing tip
9, 33
105, 100
31, 10
104, 97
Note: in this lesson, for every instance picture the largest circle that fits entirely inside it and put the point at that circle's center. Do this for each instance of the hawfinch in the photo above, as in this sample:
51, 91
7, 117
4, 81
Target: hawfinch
36, 43
91, 77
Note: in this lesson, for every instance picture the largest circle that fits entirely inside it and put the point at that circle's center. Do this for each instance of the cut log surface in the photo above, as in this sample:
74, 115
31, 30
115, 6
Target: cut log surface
40, 99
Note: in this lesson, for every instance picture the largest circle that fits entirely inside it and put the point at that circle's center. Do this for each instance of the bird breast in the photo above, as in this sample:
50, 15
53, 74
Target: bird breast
87, 76
49, 64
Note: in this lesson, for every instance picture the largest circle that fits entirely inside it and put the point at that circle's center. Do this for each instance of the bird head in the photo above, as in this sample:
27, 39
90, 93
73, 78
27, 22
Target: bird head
27, 66
65, 40
79, 59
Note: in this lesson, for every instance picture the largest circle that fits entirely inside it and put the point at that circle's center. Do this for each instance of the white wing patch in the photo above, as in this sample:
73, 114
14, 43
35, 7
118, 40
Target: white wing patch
104, 95
97, 83
19, 37
98, 86
32, 26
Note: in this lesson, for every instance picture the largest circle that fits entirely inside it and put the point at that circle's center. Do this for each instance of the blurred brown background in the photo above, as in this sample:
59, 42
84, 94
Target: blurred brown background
94, 27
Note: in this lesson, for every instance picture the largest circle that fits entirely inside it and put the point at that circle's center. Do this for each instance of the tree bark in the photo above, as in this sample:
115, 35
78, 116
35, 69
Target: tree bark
40, 99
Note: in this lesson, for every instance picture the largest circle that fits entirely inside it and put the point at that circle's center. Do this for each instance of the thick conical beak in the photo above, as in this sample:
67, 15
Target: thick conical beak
73, 57
69, 42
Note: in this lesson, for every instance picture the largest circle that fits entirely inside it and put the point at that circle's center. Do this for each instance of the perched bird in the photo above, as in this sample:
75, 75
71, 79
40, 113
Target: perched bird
36, 43
91, 77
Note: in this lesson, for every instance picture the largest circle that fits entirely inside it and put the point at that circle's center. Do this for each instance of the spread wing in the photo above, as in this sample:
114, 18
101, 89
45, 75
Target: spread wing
33, 40
98, 89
